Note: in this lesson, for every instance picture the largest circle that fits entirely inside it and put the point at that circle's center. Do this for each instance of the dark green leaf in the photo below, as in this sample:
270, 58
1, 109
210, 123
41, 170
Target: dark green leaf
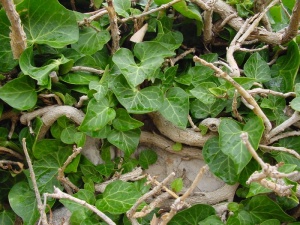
202, 92
19, 93
124, 122
146, 158
7, 217
257, 68
200, 110
79, 78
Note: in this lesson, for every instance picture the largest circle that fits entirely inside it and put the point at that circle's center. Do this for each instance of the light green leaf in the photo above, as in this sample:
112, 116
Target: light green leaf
106, 169
142, 101
151, 56
41, 74
90, 41
118, 197
97, 116
28, 211
231, 143
241, 217
48, 22
295, 104
101, 89
146, 158
176, 107
211, 220
177, 185
257, 68
256, 189
122, 6
124, 122
177, 147
127, 141
191, 216
68, 135
271, 222
220, 164
19, 93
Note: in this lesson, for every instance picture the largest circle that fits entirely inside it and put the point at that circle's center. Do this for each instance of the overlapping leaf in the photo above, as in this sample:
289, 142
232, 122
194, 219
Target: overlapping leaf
124, 122
257, 68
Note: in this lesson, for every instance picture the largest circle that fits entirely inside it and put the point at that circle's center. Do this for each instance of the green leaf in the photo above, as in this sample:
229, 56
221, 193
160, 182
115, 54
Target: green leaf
231, 143
106, 169
262, 208
80, 78
44, 147
150, 54
176, 107
90, 41
142, 101
295, 104
101, 89
118, 197
19, 93
48, 22
97, 116
256, 189
177, 147
7, 62
90, 172
286, 69
122, 6
146, 158
220, 164
241, 217
257, 68
202, 92
7, 217
211, 220
271, 222
200, 110
177, 185
191, 216
68, 134
127, 141
41, 74
22, 193
124, 122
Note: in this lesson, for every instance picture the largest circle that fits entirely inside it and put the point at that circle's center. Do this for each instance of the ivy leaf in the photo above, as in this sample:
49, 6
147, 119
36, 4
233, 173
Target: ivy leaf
241, 217
257, 68
68, 135
19, 93
231, 143
191, 216
48, 22
7, 217
21, 192
200, 110
177, 185
211, 220
219, 163
262, 208
122, 6
142, 101
202, 92
79, 78
41, 74
295, 104
151, 56
7, 61
147, 157
176, 107
127, 141
97, 116
118, 197
90, 41
124, 122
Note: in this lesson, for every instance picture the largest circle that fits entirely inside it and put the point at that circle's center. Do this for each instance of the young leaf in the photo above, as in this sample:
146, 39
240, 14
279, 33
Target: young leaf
177, 147
211, 220
257, 68
231, 143
177, 185
19, 93
79, 78
97, 116
124, 122
118, 197
176, 107
147, 158
122, 6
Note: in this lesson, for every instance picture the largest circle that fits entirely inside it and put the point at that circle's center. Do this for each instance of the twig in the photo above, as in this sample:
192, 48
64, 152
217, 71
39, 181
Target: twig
256, 109
181, 56
290, 121
259, 6
192, 124
234, 107
17, 35
82, 99
11, 152
61, 176
220, 27
34, 184
87, 69
208, 25
292, 29
254, 49
95, 16
51, 96
262, 91
6, 164
284, 135
180, 201
156, 189
281, 149
58, 194
162, 7
114, 29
